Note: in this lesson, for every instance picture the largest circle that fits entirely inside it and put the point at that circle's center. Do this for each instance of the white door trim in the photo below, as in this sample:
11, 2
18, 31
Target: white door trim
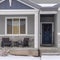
41, 30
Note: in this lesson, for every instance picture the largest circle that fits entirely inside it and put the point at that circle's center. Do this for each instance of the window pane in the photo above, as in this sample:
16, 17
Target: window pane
22, 26
15, 26
9, 26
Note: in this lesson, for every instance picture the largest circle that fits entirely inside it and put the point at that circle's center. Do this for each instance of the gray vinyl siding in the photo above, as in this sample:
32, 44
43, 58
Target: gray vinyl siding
30, 23
2, 25
58, 22
46, 1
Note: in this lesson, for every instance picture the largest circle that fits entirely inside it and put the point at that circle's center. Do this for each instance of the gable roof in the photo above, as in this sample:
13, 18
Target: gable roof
13, 4
30, 2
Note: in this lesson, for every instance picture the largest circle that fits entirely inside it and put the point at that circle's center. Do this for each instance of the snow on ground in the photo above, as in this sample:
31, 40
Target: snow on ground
11, 57
50, 57
43, 57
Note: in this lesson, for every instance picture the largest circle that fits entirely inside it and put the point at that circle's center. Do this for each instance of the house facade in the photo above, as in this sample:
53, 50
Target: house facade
19, 24
25, 24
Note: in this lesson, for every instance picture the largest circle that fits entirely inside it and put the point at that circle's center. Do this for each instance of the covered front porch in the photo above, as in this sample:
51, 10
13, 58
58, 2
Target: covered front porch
19, 26
19, 29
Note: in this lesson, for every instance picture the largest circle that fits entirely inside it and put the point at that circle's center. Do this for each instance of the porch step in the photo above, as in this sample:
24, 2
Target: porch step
50, 50
50, 54
24, 52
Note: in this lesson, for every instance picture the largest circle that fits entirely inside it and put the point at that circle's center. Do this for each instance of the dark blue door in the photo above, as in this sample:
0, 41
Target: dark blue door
46, 33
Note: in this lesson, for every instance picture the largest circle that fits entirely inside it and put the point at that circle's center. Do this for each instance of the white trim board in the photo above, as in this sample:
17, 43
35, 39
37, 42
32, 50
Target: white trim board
48, 12
17, 35
17, 12
22, 10
2, 1
10, 2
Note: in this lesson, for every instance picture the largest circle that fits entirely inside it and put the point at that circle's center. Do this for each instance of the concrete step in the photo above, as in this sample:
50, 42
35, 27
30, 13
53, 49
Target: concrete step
49, 50
24, 52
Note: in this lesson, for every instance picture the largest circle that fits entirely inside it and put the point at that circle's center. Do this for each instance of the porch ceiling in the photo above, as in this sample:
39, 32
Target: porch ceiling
49, 7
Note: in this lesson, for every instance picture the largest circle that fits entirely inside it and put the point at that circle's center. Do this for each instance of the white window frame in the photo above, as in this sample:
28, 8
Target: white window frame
19, 24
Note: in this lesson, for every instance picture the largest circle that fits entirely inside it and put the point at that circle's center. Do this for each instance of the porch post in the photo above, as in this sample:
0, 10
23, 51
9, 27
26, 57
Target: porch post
36, 35
58, 28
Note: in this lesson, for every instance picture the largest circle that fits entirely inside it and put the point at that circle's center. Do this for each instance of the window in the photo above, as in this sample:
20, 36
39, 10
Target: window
16, 25
9, 26
22, 26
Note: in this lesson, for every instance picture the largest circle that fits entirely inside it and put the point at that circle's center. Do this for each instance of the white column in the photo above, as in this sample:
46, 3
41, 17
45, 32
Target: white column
58, 28
36, 33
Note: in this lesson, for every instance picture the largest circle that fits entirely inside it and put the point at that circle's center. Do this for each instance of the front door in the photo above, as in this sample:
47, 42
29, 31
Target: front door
47, 35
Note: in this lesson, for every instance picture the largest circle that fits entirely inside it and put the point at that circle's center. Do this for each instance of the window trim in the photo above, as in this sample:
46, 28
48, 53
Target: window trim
25, 17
